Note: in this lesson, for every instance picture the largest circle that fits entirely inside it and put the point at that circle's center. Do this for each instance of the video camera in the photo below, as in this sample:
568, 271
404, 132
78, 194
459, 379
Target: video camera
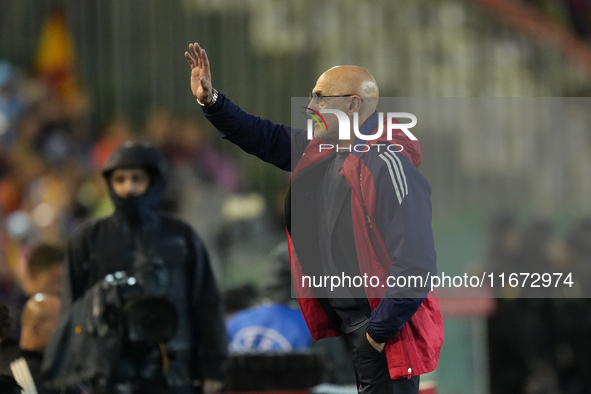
124, 304
134, 317
113, 339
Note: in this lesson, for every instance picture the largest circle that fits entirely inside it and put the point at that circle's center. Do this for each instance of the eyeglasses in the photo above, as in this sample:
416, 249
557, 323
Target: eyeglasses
321, 99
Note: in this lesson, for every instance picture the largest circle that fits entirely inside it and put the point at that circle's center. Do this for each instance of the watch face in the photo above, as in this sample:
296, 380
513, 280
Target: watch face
214, 97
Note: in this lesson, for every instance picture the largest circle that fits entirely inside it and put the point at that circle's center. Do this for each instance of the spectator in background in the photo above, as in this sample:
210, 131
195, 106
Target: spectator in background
572, 255
11, 106
534, 324
211, 165
533, 255
160, 127
535, 241
572, 315
55, 141
202, 182
275, 325
579, 247
10, 192
507, 363
43, 275
45, 270
523, 320
39, 319
503, 243
28, 131
117, 131
21, 173
278, 325
238, 298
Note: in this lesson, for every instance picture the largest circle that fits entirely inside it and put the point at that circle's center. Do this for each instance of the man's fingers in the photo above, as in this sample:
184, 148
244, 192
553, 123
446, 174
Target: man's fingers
194, 58
195, 55
190, 60
205, 62
199, 55
197, 50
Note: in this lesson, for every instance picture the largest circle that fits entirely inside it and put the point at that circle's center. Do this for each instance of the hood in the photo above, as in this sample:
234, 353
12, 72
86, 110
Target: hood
138, 210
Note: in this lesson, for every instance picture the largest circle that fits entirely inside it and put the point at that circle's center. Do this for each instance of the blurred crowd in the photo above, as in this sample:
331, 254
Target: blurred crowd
539, 338
51, 154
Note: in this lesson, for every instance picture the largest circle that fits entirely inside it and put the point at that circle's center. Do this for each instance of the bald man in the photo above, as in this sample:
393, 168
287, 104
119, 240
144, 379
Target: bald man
39, 319
351, 212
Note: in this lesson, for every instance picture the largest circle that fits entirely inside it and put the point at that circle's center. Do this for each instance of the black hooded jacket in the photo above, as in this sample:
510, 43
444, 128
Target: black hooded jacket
104, 246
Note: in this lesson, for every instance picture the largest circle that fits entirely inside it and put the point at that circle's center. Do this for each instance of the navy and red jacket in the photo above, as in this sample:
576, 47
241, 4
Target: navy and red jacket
391, 219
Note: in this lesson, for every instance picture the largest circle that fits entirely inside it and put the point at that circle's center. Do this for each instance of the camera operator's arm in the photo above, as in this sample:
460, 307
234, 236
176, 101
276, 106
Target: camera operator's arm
208, 318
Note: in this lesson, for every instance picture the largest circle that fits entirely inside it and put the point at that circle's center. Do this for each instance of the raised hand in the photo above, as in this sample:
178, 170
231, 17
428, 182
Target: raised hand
200, 73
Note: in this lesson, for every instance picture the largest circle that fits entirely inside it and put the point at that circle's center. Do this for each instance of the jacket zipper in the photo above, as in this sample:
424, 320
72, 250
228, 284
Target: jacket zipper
368, 223
367, 219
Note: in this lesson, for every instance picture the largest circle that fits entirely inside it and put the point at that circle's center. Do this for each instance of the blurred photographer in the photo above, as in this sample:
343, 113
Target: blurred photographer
141, 312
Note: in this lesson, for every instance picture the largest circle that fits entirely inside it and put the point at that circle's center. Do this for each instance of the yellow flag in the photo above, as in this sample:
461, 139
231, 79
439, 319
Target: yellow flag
55, 60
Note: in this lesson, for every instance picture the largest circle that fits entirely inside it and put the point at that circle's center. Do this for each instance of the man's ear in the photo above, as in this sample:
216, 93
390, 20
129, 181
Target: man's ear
355, 104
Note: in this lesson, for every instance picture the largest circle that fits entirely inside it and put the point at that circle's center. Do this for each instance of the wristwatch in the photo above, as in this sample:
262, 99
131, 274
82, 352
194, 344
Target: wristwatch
214, 97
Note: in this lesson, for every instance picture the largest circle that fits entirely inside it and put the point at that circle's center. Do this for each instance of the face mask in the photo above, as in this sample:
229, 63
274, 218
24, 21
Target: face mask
131, 208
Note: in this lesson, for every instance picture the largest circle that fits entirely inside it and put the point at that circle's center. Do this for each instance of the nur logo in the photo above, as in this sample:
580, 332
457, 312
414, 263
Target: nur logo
315, 115
345, 126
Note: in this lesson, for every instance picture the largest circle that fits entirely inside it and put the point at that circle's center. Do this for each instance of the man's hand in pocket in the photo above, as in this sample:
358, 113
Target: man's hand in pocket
378, 346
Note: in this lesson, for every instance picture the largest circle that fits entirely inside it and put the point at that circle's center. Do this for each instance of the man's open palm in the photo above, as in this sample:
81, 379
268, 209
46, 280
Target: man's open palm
200, 73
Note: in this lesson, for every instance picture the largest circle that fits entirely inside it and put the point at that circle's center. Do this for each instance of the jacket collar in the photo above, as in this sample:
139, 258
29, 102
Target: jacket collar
314, 154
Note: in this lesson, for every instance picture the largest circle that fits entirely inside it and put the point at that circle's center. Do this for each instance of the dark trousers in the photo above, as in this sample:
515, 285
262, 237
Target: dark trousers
371, 368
